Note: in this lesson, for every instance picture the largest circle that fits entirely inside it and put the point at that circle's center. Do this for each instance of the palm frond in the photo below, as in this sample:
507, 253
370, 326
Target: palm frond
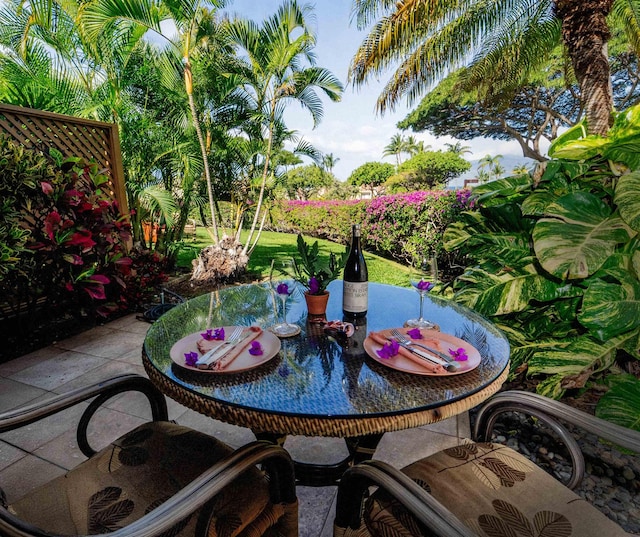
626, 14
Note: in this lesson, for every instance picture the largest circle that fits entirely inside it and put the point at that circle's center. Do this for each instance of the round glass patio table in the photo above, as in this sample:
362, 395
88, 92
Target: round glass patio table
315, 386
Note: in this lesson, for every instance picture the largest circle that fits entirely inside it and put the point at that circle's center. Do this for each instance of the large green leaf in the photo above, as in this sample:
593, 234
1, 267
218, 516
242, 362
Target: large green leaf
509, 292
611, 308
574, 357
582, 149
577, 236
536, 204
572, 134
505, 217
621, 404
505, 187
627, 198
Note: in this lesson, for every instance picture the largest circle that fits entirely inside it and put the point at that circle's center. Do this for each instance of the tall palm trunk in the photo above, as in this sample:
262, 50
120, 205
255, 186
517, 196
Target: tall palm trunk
188, 82
265, 172
585, 33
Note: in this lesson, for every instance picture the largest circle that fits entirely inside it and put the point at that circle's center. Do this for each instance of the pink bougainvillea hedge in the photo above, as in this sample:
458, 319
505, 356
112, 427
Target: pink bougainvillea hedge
397, 226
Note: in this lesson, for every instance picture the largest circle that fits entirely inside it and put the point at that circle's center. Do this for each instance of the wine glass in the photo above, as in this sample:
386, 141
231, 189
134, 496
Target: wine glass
423, 277
281, 278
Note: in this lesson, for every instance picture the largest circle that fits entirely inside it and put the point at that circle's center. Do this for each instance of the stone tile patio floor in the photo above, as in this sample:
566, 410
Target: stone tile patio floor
42, 451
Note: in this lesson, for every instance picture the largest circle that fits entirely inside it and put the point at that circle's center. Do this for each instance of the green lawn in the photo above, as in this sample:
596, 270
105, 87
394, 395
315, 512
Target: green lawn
283, 245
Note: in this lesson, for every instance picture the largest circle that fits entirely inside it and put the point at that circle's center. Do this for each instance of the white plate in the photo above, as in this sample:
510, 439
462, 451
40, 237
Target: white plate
242, 362
430, 338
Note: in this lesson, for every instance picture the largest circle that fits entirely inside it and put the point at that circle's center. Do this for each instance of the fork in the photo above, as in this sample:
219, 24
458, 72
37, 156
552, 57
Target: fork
233, 338
404, 339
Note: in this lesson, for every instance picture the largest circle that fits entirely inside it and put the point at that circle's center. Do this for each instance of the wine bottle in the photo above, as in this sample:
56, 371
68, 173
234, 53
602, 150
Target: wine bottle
355, 291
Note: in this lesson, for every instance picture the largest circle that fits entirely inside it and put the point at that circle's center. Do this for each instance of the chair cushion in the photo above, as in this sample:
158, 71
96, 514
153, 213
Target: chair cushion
138, 472
496, 492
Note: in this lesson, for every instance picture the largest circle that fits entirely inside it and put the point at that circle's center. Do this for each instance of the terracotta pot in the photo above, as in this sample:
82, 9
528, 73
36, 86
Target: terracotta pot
317, 304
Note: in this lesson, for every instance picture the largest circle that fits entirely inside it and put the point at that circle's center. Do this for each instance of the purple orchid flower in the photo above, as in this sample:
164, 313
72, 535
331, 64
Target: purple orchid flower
389, 350
414, 333
459, 354
213, 334
424, 286
190, 358
283, 289
314, 285
256, 349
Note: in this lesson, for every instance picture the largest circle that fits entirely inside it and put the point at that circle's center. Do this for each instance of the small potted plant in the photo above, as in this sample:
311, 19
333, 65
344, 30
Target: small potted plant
315, 274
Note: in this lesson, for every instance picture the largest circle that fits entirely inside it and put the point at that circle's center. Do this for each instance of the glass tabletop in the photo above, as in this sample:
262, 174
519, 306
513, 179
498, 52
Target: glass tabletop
313, 375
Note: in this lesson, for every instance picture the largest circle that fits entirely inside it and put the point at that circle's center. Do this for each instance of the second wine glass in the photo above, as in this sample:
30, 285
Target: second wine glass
423, 277
281, 278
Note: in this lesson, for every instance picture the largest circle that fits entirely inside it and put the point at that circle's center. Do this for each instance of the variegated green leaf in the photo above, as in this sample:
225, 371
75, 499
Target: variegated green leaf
627, 197
574, 357
551, 387
621, 404
456, 235
536, 204
572, 134
511, 292
578, 236
610, 309
505, 187
581, 149
635, 262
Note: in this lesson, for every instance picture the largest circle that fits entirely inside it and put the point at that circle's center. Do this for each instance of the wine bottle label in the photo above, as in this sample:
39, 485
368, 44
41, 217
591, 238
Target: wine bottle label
355, 298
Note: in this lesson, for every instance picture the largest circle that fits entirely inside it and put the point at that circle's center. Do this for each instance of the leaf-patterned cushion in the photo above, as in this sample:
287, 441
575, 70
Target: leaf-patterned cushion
496, 492
138, 472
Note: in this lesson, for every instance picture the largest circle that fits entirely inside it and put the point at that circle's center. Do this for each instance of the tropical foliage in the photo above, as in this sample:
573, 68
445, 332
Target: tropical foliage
553, 258
200, 107
66, 241
428, 40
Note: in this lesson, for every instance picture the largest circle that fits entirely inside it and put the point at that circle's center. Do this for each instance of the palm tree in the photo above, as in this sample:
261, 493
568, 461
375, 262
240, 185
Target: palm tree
395, 147
279, 69
329, 162
413, 146
50, 63
520, 169
187, 18
458, 148
492, 164
430, 38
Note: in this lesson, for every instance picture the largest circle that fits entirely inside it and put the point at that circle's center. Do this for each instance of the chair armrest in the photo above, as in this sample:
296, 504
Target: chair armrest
550, 411
192, 497
102, 391
354, 485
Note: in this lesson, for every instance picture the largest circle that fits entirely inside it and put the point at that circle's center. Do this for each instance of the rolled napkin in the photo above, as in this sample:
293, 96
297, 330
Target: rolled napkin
406, 353
219, 364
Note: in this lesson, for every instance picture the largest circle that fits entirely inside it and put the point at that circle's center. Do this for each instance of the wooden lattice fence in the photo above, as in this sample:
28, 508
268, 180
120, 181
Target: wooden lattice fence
73, 137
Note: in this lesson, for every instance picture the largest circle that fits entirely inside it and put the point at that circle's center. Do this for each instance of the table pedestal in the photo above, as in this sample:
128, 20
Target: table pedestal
361, 448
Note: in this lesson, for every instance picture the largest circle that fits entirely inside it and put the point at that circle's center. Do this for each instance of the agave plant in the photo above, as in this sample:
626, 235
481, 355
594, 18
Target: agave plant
553, 259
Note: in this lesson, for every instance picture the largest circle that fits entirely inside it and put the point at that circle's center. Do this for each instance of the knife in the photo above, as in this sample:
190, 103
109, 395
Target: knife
430, 357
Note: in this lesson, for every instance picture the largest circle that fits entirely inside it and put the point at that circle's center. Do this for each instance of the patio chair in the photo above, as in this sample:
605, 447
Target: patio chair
481, 488
159, 479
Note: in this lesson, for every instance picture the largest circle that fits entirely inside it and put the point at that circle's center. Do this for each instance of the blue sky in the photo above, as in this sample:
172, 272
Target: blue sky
350, 129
